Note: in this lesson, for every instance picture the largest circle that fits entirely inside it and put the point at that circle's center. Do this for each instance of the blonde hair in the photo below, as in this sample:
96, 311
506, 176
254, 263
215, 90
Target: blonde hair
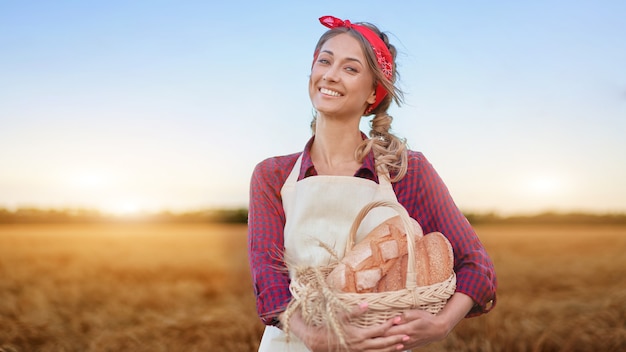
390, 151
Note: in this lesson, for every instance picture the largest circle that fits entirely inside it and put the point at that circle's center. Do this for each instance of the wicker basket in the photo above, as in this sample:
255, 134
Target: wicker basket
320, 304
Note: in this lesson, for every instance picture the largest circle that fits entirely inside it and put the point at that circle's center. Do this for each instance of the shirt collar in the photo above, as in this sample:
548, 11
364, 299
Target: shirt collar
367, 169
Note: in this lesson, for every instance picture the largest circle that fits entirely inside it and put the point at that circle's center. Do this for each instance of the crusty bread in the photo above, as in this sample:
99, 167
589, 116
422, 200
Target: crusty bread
379, 262
434, 260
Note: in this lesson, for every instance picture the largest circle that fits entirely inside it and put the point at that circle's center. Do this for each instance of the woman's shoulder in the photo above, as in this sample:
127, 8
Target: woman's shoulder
415, 159
417, 165
415, 155
280, 161
276, 166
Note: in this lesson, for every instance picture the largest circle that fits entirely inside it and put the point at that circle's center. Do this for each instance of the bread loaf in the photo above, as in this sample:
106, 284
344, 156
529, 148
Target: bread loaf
434, 260
379, 262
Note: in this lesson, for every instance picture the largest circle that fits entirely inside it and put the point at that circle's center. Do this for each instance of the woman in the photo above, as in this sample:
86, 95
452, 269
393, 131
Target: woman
300, 199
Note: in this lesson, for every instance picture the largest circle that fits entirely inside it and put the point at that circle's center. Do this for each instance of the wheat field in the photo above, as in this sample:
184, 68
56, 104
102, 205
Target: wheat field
186, 287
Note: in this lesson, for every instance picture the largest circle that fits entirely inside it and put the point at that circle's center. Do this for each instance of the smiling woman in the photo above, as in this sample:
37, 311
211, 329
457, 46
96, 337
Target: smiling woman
302, 206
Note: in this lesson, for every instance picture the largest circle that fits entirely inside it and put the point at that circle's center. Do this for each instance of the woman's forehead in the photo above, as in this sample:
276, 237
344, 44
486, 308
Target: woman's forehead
343, 45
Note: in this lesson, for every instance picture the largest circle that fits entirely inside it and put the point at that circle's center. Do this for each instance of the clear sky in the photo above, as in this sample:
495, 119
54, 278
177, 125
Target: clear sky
152, 105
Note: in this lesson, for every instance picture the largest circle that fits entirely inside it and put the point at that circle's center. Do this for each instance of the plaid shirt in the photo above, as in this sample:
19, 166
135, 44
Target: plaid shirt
421, 192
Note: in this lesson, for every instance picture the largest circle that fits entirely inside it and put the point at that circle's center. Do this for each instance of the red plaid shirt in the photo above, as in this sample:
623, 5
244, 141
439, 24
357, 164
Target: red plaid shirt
421, 192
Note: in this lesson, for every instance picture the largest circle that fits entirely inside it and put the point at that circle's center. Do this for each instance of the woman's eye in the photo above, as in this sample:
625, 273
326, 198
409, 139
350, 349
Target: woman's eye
351, 69
323, 61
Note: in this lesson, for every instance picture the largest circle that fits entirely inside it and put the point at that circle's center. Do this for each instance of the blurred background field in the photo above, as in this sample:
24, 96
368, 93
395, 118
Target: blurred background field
186, 287
130, 287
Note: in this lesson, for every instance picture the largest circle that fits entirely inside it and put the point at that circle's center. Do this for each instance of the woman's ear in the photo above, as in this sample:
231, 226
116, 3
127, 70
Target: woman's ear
372, 97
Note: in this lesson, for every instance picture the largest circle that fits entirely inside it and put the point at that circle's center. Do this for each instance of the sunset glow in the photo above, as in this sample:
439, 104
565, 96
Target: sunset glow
123, 208
545, 186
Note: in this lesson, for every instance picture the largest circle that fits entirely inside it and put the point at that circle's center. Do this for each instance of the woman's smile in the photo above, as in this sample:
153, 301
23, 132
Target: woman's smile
327, 91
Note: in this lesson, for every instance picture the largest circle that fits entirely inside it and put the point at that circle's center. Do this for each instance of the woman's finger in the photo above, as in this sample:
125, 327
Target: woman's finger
347, 317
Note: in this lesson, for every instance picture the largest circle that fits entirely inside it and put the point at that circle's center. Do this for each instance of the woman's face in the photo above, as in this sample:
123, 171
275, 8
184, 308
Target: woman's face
341, 82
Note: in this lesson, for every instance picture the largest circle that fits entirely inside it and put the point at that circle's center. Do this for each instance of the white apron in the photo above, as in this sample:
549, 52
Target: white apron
323, 208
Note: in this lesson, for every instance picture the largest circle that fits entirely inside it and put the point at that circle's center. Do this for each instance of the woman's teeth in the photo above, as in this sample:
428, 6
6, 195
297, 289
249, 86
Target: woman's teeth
329, 92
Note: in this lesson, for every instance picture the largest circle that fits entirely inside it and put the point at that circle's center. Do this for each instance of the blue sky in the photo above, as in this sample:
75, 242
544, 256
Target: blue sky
149, 105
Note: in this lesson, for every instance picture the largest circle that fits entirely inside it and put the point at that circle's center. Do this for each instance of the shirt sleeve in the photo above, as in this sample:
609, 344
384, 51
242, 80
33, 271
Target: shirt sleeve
427, 199
266, 221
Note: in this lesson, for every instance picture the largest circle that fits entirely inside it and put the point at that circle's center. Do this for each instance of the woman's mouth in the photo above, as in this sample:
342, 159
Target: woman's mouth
332, 93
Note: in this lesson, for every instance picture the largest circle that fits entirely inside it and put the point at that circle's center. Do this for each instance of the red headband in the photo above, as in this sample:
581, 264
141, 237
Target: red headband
383, 56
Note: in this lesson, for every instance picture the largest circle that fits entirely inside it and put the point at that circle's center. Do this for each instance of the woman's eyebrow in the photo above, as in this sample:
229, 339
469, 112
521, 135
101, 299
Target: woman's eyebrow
348, 58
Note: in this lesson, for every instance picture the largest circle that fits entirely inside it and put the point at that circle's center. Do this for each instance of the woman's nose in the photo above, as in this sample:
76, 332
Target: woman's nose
331, 74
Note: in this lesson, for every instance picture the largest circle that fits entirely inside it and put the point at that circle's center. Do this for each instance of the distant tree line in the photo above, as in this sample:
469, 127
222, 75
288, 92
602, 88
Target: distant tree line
548, 218
240, 216
37, 215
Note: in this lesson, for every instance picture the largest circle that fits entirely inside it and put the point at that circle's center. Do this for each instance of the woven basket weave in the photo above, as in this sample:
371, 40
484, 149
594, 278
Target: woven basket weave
318, 303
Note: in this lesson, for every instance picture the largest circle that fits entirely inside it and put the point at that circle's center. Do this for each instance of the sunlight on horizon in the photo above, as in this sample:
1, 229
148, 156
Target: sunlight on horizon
109, 193
546, 186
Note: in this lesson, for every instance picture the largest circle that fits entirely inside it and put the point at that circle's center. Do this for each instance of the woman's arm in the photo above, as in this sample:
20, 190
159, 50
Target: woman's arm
427, 199
265, 240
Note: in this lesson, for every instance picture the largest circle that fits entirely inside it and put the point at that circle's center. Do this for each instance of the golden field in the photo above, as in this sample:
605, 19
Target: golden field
186, 287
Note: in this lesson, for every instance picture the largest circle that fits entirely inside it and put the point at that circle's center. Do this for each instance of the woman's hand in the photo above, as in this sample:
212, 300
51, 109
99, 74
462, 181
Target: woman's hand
376, 338
424, 328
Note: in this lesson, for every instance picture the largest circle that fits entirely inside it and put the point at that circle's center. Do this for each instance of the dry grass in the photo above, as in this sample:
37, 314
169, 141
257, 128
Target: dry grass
187, 288
561, 288
125, 287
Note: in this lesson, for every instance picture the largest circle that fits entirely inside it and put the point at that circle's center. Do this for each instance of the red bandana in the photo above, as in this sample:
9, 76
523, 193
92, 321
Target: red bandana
383, 56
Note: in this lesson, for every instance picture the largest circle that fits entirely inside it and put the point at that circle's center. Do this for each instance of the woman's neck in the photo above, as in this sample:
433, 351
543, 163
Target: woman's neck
333, 149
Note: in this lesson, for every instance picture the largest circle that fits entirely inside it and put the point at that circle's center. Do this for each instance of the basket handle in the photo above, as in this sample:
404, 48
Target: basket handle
411, 275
